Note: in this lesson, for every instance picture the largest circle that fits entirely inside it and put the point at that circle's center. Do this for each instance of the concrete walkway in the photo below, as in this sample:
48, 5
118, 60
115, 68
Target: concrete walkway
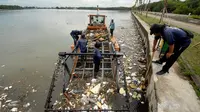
169, 92
188, 26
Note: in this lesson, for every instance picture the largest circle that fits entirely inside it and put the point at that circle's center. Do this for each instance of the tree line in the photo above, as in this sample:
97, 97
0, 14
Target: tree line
175, 6
12, 7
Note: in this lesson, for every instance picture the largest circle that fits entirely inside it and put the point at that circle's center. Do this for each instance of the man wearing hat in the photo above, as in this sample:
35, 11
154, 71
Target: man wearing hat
177, 40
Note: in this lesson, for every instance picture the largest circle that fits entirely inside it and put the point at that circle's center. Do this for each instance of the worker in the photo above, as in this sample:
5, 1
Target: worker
75, 35
177, 39
82, 45
97, 58
112, 27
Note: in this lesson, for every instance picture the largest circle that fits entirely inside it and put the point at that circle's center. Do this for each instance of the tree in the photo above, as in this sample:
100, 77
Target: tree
164, 10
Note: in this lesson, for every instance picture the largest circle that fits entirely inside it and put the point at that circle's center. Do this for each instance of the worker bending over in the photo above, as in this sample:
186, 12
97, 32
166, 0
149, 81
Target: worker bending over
177, 39
75, 35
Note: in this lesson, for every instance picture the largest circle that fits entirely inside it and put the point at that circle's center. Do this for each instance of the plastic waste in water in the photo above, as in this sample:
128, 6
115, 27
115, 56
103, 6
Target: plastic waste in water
26, 105
7, 101
14, 109
6, 88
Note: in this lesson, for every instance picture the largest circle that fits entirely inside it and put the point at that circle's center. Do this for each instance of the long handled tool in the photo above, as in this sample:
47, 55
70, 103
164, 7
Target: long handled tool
149, 66
73, 68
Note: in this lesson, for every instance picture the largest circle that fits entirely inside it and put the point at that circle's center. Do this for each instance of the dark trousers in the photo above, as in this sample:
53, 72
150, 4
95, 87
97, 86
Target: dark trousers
96, 68
170, 61
111, 32
83, 58
75, 41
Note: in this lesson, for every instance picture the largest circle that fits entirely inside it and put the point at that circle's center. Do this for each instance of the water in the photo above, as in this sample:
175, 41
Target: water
29, 44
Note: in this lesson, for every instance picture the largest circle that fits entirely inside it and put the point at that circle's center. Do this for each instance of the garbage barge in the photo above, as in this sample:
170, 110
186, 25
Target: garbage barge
80, 91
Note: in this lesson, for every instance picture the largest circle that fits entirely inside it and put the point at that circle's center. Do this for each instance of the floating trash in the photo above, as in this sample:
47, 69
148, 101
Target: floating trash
26, 105
34, 90
130, 68
133, 86
139, 89
128, 78
104, 106
88, 84
10, 87
96, 89
3, 96
133, 74
12, 104
142, 60
99, 105
124, 56
122, 91
139, 96
7, 101
95, 107
122, 45
94, 80
128, 81
6, 88
3, 66
14, 109
142, 79
134, 95
105, 83
134, 64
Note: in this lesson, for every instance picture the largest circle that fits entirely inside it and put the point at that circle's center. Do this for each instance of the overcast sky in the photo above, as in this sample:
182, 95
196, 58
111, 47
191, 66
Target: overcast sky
49, 3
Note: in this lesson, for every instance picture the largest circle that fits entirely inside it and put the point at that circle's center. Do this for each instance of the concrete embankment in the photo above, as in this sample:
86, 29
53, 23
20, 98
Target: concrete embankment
169, 92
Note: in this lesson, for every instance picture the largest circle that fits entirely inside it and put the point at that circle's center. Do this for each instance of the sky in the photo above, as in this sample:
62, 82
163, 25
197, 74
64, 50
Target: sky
73, 3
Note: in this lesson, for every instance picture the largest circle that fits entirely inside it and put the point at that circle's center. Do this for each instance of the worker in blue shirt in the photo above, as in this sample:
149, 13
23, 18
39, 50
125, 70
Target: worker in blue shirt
112, 27
97, 58
82, 45
75, 35
177, 39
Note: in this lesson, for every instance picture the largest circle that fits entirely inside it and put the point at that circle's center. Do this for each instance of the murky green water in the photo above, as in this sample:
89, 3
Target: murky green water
29, 43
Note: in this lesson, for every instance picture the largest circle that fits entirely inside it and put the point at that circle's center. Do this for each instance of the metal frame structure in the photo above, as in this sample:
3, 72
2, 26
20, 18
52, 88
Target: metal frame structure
110, 56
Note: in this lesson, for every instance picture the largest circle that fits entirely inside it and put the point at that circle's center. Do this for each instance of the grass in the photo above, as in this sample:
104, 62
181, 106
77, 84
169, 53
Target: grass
195, 16
191, 54
148, 20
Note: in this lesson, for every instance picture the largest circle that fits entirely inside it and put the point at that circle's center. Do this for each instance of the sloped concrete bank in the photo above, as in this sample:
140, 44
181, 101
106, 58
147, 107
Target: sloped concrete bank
169, 92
